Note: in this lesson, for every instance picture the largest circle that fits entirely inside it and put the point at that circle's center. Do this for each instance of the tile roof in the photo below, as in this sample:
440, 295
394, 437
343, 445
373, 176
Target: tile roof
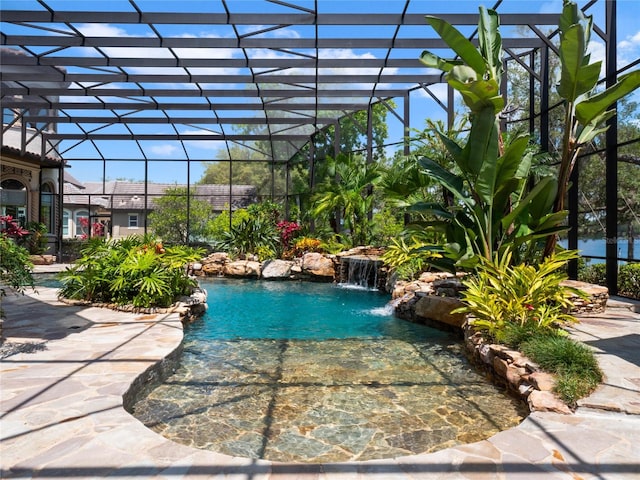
120, 195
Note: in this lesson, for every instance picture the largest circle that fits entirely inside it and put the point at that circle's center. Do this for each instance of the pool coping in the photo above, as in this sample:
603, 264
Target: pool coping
63, 416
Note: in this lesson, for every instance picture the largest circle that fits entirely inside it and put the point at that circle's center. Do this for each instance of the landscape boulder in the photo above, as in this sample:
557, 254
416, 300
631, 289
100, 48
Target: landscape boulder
318, 265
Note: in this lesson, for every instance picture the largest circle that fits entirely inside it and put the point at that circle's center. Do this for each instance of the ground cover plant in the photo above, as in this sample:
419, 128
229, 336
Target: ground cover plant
136, 270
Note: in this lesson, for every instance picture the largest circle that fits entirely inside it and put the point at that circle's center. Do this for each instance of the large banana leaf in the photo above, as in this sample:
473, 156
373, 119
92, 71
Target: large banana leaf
514, 163
595, 127
434, 61
490, 42
578, 75
483, 153
449, 180
588, 109
538, 194
431, 208
458, 43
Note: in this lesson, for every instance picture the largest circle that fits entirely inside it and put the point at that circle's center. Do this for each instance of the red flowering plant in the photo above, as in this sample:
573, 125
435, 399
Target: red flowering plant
287, 232
15, 266
11, 228
97, 229
83, 223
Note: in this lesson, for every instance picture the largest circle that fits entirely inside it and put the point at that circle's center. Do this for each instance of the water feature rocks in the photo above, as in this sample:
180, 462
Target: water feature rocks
242, 268
214, 264
318, 265
518, 374
277, 269
544, 401
439, 309
595, 301
430, 300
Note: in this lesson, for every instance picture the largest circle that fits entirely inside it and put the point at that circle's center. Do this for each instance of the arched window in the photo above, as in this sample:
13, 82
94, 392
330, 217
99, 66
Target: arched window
47, 207
13, 200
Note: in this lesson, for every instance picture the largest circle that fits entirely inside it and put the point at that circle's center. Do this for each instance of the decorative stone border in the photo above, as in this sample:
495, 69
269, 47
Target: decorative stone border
188, 308
518, 374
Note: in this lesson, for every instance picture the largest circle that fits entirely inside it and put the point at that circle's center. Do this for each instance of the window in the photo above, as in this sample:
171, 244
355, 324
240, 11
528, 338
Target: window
65, 224
133, 220
13, 200
47, 207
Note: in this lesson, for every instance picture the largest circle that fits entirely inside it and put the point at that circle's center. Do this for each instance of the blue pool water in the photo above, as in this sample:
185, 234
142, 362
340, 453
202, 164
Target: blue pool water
249, 309
312, 372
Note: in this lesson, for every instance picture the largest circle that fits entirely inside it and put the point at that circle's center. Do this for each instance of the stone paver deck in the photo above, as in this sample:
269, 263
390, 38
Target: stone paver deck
62, 415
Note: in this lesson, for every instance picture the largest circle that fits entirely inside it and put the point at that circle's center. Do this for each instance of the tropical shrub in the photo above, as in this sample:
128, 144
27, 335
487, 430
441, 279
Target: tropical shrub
345, 200
253, 235
36, 240
288, 232
16, 270
136, 270
304, 245
15, 267
501, 295
407, 260
596, 274
221, 224
629, 280
388, 224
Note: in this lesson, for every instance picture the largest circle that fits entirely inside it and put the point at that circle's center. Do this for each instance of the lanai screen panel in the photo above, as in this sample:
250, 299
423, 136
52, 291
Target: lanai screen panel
130, 82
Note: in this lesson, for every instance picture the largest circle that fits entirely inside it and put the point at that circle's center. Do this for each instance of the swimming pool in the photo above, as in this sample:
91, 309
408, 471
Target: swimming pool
308, 372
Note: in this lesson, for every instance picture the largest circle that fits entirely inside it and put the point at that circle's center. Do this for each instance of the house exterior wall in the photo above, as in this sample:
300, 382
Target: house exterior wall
121, 226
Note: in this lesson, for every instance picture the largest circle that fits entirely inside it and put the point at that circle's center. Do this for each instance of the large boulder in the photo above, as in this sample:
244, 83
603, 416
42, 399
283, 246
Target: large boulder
317, 265
433, 307
277, 269
214, 264
242, 268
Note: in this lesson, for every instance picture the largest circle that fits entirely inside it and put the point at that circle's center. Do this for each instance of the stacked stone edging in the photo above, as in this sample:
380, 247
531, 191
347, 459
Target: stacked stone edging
595, 301
188, 307
515, 372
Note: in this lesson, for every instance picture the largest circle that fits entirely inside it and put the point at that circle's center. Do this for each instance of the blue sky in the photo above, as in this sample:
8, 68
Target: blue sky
166, 166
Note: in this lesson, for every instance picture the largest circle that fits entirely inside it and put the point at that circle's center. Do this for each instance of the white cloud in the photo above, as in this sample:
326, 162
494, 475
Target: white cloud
598, 54
164, 150
439, 90
628, 49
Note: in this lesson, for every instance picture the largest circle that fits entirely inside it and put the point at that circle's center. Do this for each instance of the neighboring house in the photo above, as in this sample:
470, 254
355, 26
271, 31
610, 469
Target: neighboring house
85, 213
118, 208
30, 164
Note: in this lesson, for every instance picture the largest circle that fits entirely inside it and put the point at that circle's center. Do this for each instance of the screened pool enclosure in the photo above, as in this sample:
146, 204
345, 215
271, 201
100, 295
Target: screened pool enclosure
155, 92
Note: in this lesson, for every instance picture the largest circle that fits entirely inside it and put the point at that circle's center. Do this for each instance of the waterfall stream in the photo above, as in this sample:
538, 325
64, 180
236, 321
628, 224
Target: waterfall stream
360, 271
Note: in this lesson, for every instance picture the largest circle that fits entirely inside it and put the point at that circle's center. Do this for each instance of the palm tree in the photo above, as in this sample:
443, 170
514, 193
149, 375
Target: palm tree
348, 196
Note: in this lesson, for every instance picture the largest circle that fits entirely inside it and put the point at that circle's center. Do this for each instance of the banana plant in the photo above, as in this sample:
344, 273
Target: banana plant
493, 206
586, 111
